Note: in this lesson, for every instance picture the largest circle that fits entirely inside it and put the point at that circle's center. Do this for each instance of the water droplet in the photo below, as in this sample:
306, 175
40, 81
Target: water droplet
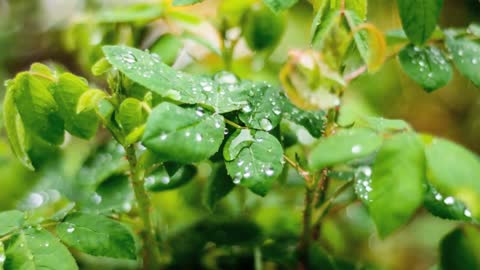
163, 136
474, 61
265, 124
2, 258
467, 213
200, 111
247, 109
96, 198
449, 201
276, 111
438, 197
129, 58
356, 149
237, 179
269, 171
35, 200
247, 174
198, 137
70, 229
165, 180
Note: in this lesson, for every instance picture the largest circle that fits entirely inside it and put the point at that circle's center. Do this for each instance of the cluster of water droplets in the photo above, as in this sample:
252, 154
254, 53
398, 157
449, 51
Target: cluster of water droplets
363, 182
427, 59
450, 201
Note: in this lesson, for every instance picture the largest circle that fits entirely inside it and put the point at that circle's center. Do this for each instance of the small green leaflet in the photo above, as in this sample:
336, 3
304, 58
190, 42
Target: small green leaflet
426, 66
254, 159
459, 249
264, 110
169, 176
97, 235
185, 2
218, 186
454, 172
322, 24
10, 220
221, 95
183, 135
359, 37
14, 127
344, 146
466, 55
131, 114
383, 125
397, 187
279, 5
67, 92
37, 107
33, 249
419, 18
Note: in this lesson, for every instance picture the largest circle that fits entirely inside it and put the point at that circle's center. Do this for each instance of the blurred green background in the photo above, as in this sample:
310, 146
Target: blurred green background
65, 34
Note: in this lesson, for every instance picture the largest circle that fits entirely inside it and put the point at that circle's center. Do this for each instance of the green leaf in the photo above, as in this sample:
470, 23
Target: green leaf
253, 159
419, 18
169, 176
264, 109
445, 207
185, 2
183, 135
344, 146
313, 121
279, 5
14, 127
112, 195
167, 47
67, 92
11, 220
474, 29
218, 186
224, 94
133, 13
360, 37
262, 28
358, 6
454, 171
322, 25
465, 54
397, 182
383, 125
33, 249
459, 249
90, 100
97, 235
102, 66
426, 66
37, 107
131, 114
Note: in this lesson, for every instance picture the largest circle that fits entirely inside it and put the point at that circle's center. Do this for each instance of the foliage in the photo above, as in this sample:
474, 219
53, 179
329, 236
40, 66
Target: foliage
158, 128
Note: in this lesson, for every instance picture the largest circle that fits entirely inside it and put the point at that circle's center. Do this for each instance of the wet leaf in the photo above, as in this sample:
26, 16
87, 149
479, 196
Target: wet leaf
465, 54
218, 186
97, 235
10, 220
419, 18
253, 159
426, 66
264, 109
183, 134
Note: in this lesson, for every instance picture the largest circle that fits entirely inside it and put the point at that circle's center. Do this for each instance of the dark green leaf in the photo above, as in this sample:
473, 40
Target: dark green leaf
460, 249
313, 121
10, 220
264, 109
253, 159
279, 5
397, 182
318, 258
169, 176
33, 249
218, 186
67, 91
454, 172
262, 28
183, 134
37, 107
344, 146
465, 54
445, 207
426, 66
97, 235
185, 2
419, 18
112, 195
224, 94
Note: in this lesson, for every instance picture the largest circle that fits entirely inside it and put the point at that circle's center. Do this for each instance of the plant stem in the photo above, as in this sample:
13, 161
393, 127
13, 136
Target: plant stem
304, 244
150, 249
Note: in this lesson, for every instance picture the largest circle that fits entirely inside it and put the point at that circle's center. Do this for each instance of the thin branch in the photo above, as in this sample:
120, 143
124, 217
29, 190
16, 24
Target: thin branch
305, 174
233, 124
